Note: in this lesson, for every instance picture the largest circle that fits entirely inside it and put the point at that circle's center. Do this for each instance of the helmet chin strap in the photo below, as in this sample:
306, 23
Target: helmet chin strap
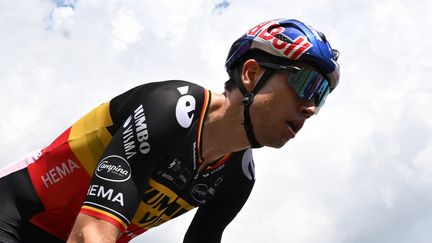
248, 98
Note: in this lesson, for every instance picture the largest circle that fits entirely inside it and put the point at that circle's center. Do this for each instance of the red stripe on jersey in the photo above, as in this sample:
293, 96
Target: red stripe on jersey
61, 183
206, 104
220, 162
97, 213
58, 223
59, 177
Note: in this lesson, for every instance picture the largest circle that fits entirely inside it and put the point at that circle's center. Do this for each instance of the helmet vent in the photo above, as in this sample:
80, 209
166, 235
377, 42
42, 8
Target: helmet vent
335, 54
283, 38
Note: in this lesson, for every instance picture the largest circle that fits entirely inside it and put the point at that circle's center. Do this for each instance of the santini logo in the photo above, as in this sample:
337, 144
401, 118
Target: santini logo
113, 168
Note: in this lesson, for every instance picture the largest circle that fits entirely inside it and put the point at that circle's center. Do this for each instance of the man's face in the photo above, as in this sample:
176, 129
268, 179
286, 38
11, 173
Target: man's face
277, 112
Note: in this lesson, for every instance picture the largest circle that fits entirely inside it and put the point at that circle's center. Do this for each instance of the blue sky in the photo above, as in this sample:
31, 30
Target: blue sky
358, 172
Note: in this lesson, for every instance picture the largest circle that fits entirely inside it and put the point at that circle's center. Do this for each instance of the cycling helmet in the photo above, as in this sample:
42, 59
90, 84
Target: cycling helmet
286, 41
290, 40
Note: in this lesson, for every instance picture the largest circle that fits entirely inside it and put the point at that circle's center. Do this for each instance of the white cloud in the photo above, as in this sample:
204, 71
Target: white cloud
126, 30
358, 172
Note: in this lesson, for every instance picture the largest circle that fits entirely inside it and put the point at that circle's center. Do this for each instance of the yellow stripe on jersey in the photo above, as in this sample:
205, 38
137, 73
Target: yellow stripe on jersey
106, 214
201, 122
159, 205
89, 137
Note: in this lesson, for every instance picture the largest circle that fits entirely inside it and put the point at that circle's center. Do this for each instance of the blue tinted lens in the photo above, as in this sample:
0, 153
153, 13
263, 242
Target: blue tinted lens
309, 85
322, 93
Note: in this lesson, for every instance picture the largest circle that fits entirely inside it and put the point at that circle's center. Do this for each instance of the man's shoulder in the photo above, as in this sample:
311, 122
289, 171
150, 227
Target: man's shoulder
168, 85
243, 163
160, 92
157, 96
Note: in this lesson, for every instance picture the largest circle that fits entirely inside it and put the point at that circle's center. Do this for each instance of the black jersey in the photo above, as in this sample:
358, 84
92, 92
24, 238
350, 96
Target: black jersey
133, 162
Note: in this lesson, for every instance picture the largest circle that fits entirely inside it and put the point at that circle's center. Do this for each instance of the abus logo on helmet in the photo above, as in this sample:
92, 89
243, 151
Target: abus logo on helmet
293, 50
113, 168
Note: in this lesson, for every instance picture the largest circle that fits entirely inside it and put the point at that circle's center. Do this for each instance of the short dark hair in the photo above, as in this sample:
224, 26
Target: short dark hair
230, 85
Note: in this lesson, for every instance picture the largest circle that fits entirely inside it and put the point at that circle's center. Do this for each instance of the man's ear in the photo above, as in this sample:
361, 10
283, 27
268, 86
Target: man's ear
251, 73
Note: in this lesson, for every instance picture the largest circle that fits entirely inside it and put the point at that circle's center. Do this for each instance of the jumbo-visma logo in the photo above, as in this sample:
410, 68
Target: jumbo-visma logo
113, 168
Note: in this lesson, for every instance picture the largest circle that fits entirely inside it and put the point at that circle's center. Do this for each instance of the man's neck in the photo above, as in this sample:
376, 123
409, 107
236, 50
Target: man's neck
223, 131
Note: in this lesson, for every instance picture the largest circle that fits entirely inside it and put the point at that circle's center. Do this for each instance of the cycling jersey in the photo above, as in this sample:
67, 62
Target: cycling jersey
133, 162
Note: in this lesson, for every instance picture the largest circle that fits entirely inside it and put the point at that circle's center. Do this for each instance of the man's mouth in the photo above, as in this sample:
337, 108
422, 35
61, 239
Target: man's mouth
291, 128
295, 127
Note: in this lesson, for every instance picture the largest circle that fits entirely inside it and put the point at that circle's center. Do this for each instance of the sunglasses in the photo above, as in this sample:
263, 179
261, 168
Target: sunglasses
307, 83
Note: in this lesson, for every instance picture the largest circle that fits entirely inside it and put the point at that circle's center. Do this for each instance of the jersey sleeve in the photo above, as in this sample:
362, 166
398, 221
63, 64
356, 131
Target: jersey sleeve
113, 194
145, 127
212, 218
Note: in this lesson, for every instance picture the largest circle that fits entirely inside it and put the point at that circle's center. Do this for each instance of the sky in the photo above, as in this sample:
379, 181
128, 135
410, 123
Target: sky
360, 171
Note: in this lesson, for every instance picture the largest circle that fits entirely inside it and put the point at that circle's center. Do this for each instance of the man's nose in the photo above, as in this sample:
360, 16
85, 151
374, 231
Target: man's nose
308, 109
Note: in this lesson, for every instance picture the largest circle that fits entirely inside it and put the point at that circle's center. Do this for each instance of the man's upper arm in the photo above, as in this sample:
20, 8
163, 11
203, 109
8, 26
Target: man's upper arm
124, 169
119, 180
142, 119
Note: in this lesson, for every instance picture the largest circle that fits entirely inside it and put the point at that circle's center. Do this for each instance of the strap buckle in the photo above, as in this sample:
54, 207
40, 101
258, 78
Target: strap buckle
247, 99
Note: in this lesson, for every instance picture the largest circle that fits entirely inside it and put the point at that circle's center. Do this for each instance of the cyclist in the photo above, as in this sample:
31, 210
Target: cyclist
161, 149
